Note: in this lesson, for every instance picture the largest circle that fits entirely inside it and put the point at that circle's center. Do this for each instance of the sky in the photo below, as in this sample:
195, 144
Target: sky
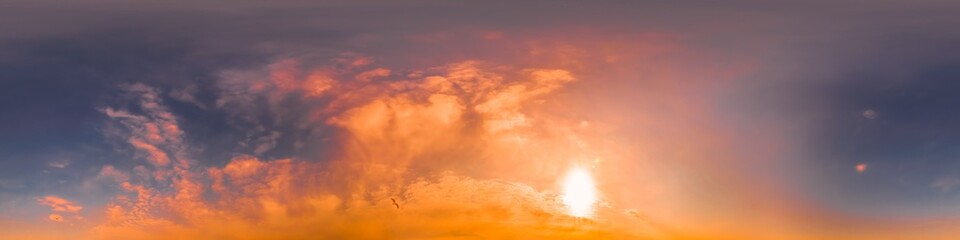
479, 120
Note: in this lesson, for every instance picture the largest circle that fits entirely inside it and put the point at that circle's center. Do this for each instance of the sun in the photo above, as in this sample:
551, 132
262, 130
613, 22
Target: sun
579, 193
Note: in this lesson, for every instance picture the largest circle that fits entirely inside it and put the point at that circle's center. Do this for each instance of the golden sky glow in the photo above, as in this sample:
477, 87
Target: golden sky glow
466, 148
477, 120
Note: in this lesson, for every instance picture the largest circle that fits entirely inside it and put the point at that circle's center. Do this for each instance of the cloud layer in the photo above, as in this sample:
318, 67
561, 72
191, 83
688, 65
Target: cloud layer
442, 143
360, 120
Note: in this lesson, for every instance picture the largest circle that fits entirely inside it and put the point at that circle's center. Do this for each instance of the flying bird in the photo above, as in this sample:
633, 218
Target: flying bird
395, 203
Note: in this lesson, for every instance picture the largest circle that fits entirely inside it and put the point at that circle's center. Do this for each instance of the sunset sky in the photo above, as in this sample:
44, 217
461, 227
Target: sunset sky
479, 119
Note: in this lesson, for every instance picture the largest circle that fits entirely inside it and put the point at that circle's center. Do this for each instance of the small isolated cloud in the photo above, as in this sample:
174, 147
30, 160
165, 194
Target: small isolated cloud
55, 217
61, 206
58, 204
861, 167
870, 114
946, 184
59, 164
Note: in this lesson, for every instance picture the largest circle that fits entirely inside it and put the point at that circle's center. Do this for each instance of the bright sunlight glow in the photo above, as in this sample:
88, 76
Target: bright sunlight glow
579, 193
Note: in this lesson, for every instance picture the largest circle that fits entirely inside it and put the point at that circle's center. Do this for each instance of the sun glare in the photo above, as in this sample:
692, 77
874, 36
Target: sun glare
579, 193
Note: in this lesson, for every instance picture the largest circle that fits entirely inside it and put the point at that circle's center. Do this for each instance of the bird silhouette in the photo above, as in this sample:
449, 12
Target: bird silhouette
395, 203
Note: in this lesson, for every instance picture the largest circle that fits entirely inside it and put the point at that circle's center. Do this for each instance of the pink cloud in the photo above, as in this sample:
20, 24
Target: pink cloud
58, 204
156, 156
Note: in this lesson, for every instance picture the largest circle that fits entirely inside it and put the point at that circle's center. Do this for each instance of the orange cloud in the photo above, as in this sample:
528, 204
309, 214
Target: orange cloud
317, 84
60, 205
467, 138
375, 73
157, 157
468, 149
55, 217
403, 142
